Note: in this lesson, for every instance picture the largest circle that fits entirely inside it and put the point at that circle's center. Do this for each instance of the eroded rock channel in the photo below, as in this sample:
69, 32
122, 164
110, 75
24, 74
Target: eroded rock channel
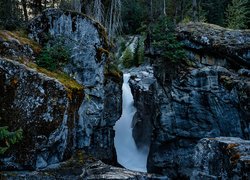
194, 121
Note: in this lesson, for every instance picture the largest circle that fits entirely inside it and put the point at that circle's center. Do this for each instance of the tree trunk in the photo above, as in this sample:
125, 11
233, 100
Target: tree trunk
77, 6
164, 8
194, 5
25, 13
98, 11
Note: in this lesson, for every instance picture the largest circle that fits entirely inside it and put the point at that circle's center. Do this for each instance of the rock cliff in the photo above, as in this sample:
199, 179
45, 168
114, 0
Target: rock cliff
88, 45
52, 108
44, 108
229, 155
209, 97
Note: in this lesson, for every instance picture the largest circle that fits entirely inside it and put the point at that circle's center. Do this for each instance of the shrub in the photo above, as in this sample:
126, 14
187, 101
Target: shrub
139, 52
127, 58
53, 56
8, 138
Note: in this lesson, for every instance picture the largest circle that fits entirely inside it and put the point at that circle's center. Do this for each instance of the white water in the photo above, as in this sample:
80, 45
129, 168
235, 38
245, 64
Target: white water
127, 153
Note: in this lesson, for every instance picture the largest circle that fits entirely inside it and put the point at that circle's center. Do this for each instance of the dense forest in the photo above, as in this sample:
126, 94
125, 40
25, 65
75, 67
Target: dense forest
132, 16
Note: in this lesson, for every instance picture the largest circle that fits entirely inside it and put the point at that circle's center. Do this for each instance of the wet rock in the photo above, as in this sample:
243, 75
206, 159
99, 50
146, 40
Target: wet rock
195, 101
142, 87
222, 158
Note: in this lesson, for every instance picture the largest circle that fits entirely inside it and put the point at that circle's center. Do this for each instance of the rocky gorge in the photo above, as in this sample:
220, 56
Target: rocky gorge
207, 98
68, 117
59, 112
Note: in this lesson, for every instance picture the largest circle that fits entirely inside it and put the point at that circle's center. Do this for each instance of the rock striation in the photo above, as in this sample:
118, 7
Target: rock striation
44, 108
59, 117
229, 155
204, 99
88, 45
213, 45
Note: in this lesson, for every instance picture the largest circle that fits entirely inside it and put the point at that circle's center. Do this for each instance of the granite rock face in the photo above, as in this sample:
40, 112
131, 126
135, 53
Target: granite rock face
229, 155
44, 108
87, 43
205, 99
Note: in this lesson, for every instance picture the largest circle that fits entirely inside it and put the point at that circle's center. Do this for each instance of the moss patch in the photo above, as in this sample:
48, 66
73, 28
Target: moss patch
68, 82
22, 37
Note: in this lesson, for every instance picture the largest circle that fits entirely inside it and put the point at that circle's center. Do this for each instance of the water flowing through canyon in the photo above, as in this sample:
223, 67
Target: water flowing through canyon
127, 153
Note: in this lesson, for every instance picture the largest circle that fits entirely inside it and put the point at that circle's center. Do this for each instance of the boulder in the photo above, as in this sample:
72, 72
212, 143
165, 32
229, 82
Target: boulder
229, 155
44, 108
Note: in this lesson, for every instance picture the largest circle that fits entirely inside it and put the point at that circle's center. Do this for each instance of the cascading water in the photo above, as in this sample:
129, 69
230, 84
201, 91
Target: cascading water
127, 153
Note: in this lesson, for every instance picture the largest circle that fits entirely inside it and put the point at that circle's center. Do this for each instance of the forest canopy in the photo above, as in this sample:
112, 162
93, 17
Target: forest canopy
130, 16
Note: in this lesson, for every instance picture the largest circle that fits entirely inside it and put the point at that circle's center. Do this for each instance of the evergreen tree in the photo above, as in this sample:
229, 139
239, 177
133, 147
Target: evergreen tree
236, 14
10, 14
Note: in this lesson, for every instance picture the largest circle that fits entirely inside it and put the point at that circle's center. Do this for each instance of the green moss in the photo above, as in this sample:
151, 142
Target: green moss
22, 37
67, 81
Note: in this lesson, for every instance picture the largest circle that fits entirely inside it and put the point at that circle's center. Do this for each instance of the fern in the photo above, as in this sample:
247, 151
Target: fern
8, 138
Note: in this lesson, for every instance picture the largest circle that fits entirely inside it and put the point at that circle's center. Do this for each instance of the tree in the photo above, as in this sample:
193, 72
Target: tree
236, 14
165, 41
24, 4
194, 5
98, 11
113, 21
10, 14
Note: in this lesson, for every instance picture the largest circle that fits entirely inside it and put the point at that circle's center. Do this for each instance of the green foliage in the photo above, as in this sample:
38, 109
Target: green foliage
8, 138
127, 58
164, 40
237, 14
10, 14
53, 56
214, 11
139, 52
133, 13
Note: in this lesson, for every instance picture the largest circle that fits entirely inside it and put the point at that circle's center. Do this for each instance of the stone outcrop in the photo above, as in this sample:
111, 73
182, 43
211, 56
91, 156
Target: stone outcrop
55, 113
142, 86
80, 166
88, 45
230, 156
204, 99
44, 108
213, 45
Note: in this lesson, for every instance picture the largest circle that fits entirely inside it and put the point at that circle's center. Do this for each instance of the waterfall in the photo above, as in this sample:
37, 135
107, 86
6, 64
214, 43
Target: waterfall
127, 153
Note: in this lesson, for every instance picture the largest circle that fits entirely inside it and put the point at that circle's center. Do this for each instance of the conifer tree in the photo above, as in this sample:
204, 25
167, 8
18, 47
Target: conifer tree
236, 14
